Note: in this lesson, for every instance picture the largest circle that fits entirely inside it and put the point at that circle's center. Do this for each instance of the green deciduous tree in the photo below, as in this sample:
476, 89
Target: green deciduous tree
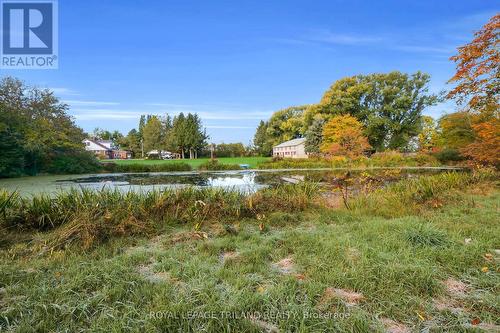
428, 134
389, 105
131, 142
152, 133
286, 124
35, 130
455, 130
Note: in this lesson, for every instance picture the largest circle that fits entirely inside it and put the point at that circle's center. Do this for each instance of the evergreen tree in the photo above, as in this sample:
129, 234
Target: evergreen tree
260, 141
142, 123
178, 135
314, 136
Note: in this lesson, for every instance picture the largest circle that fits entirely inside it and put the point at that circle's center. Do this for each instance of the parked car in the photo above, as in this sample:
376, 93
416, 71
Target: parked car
166, 155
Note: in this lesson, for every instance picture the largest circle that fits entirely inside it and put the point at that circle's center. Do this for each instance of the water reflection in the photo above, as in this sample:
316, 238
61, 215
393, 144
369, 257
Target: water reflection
245, 181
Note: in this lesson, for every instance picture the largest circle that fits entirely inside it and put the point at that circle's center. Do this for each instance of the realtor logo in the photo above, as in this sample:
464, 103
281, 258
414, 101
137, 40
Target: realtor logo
29, 34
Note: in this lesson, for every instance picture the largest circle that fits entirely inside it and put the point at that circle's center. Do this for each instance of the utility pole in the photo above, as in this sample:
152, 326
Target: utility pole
142, 147
212, 151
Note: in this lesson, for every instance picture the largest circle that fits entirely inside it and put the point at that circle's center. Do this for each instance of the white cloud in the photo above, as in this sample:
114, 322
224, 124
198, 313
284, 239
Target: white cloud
63, 91
344, 39
112, 114
89, 103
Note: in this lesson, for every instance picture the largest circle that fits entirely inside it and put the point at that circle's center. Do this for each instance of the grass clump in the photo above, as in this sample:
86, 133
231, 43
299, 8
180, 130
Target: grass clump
143, 167
215, 165
412, 195
426, 235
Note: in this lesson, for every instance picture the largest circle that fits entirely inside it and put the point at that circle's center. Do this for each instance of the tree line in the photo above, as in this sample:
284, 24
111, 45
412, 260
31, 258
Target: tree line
37, 134
183, 134
363, 114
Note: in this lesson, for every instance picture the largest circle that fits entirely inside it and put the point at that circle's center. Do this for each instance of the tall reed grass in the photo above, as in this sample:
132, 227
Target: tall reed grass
89, 216
410, 195
383, 159
215, 165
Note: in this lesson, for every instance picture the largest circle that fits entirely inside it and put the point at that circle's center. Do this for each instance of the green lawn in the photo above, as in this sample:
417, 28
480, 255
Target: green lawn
252, 161
320, 270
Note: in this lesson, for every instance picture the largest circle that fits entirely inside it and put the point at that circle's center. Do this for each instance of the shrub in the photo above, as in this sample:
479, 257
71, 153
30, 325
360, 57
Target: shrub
297, 163
388, 158
215, 165
422, 159
339, 161
74, 163
449, 155
160, 167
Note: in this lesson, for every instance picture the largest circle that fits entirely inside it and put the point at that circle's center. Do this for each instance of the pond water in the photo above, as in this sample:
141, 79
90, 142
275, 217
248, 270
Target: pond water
247, 181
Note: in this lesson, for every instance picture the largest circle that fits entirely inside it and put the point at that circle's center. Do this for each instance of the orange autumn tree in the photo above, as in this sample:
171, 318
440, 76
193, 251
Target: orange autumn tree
478, 86
343, 136
486, 147
478, 69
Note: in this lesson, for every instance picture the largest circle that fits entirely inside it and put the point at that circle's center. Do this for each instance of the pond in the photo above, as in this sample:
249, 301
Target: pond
247, 181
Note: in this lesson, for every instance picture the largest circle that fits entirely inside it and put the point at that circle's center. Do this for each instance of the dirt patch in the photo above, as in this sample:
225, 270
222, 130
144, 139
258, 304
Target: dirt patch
487, 327
392, 326
264, 326
332, 199
496, 255
285, 266
154, 244
230, 256
455, 287
188, 236
447, 304
484, 189
148, 273
353, 254
349, 297
153, 277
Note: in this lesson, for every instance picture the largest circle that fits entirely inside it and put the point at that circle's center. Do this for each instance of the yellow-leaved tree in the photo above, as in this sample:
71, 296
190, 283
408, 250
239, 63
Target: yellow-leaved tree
343, 136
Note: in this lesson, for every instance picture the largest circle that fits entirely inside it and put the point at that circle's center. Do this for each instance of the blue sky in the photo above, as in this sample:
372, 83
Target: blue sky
235, 62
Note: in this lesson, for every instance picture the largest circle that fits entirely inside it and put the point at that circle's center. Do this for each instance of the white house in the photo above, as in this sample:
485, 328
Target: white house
291, 149
104, 149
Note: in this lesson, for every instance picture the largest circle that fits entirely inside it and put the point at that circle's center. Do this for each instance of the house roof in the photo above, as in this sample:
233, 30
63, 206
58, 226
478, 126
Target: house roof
98, 144
291, 143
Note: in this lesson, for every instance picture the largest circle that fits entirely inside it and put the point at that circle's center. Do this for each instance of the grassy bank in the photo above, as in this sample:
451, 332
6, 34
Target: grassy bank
279, 261
114, 167
195, 163
385, 159
89, 217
